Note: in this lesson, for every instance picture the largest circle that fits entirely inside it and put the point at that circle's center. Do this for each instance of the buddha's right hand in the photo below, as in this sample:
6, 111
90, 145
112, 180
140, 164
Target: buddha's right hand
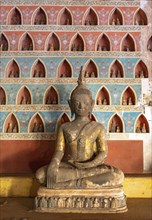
52, 175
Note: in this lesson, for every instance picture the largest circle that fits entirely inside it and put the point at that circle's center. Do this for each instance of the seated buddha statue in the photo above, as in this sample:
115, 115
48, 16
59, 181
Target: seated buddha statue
81, 149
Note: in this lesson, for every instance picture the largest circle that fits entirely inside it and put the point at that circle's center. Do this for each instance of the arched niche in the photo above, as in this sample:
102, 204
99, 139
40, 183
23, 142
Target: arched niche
77, 43
140, 18
90, 17
149, 44
92, 117
11, 124
128, 97
14, 17
24, 96
39, 17
141, 125
36, 124
62, 119
12, 70
38, 70
116, 18
141, 70
116, 70
53, 43
90, 69
26, 42
128, 43
3, 43
115, 124
103, 43
51, 97
103, 97
65, 17
2, 96
64, 69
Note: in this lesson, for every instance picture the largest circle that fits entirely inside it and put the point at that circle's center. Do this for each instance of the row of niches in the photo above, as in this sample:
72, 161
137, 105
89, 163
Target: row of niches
67, 17
36, 124
65, 70
76, 43
52, 97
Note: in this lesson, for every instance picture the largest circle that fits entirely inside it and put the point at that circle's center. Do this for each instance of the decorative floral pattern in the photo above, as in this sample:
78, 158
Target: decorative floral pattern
27, 14
64, 86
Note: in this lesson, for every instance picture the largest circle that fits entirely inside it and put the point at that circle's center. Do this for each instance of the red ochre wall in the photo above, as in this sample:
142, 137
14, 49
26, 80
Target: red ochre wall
25, 157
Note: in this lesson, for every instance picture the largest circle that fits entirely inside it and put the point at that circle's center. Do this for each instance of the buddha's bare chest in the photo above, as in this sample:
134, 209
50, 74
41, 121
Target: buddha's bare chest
79, 145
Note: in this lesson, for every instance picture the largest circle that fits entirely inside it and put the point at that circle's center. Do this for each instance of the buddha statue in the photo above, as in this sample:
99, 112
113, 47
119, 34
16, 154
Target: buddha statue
81, 149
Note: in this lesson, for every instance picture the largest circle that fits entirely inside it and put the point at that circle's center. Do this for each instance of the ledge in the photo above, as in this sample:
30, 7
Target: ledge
26, 186
69, 2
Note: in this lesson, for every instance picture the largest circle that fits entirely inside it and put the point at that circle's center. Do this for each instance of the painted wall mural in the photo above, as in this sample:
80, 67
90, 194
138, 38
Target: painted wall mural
43, 46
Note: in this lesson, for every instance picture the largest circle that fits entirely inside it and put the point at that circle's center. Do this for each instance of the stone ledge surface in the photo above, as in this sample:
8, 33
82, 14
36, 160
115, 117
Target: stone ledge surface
27, 186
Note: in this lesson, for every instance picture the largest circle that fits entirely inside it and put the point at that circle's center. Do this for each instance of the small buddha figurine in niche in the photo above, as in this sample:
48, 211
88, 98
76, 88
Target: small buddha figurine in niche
30, 46
104, 48
149, 46
142, 22
64, 75
82, 163
130, 101
48, 100
143, 129
127, 48
1, 47
87, 22
9, 128
113, 127
141, 74
99, 48
40, 128
118, 21
113, 21
51, 47
80, 48
136, 22
118, 74
105, 102
67, 21
15, 128
11, 74
92, 75
92, 22
124, 101
99, 100
73, 48
117, 129
138, 129
87, 74
113, 73
36, 73
35, 127
41, 73
23, 100
54, 101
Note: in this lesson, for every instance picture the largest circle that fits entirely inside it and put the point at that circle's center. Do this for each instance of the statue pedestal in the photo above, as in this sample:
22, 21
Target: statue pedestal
103, 200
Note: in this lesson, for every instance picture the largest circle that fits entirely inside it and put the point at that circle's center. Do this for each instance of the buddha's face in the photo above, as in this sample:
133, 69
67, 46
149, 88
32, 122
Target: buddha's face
81, 104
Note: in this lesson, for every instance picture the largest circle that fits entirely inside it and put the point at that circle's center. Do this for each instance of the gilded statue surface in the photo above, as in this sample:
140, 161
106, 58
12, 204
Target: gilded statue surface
81, 149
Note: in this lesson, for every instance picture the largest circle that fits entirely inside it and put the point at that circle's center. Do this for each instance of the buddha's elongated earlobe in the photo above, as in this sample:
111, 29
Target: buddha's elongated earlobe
70, 105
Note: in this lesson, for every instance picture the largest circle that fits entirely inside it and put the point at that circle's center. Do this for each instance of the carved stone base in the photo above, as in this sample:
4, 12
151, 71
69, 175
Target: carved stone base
103, 200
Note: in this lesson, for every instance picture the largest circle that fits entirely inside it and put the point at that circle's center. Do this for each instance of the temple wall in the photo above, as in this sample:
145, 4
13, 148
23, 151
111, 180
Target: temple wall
41, 57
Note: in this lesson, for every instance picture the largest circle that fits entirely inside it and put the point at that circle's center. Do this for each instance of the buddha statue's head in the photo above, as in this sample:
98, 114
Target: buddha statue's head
81, 102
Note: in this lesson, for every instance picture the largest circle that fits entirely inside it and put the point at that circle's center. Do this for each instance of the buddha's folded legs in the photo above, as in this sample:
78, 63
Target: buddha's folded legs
70, 176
